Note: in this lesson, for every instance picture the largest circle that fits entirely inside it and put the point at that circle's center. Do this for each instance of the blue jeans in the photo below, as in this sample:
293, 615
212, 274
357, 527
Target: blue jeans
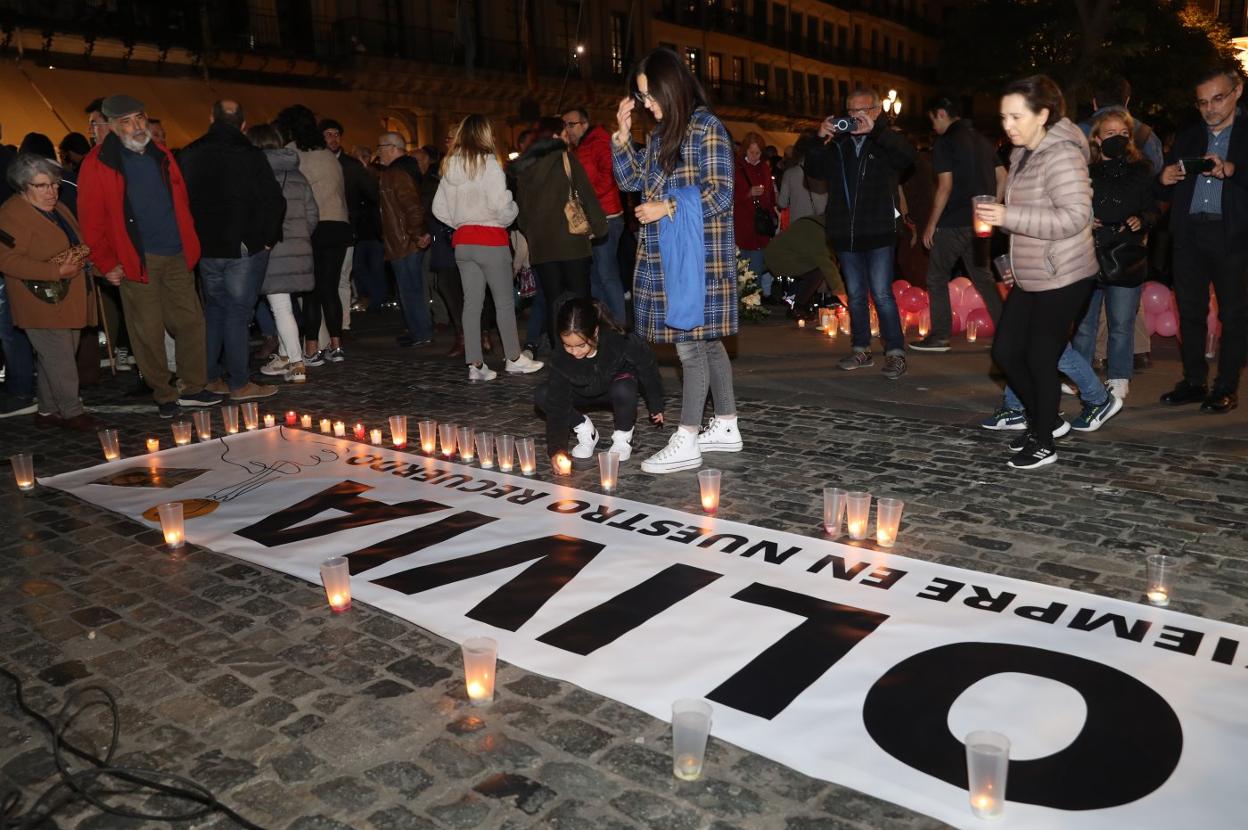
264, 318
604, 279
537, 316
1121, 306
759, 266
370, 271
409, 273
872, 270
1076, 367
19, 358
231, 287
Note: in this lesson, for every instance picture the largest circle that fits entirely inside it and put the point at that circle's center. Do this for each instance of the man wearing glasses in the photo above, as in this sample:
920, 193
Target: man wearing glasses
862, 166
1206, 182
592, 146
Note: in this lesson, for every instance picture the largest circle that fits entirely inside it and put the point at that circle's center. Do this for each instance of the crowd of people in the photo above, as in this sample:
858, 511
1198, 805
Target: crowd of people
276, 226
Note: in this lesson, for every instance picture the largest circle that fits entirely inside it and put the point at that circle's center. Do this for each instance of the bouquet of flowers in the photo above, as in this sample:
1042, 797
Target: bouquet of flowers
750, 294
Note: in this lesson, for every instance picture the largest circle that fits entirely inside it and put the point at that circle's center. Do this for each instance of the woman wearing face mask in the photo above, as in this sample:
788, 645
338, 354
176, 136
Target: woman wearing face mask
755, 191
1048, 214
686, 249
1123, 209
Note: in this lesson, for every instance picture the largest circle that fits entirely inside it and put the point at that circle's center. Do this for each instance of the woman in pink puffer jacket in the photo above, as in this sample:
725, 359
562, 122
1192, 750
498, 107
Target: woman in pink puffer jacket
1048, 214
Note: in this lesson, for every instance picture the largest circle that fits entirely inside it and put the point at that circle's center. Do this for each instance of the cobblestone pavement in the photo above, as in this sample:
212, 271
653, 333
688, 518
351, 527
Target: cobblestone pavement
234, 675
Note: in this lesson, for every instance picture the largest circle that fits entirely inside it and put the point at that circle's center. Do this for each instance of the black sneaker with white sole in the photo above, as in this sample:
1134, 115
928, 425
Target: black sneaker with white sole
930, 344
1034, 454
1019, 441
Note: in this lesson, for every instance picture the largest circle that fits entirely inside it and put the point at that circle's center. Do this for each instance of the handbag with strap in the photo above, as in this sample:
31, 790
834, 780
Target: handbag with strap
764, 220
1123, 264
573, 209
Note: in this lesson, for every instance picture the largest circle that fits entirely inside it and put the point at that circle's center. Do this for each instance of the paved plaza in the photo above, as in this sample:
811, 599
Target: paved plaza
239, 678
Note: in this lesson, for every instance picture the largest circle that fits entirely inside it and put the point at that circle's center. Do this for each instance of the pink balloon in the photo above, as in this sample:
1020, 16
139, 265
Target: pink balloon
1150, 323
962, 283
1156, 298
915, 299
957, 327
971, 299
899, 288
955, 294
1167, 325
983, 320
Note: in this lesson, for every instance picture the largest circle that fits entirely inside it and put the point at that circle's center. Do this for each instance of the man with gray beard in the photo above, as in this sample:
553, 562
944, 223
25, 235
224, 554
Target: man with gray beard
135, 215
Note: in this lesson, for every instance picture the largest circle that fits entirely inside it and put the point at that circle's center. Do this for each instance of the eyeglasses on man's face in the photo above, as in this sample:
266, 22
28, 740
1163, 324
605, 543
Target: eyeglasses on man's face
44, 187
1216, 100
864, 110
571, 124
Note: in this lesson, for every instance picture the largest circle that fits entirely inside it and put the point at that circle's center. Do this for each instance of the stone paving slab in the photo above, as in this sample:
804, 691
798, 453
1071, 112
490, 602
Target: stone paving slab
235, 675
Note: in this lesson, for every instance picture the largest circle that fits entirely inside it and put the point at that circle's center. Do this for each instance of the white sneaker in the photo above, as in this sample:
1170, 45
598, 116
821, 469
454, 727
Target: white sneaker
1119, 387
681, 453
523, 365
586, 439
720, 436
277, 365
296, 373
481, 372
622, 444
1067, 389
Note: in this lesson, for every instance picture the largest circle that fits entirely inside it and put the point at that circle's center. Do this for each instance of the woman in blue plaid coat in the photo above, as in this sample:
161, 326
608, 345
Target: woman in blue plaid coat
687, 153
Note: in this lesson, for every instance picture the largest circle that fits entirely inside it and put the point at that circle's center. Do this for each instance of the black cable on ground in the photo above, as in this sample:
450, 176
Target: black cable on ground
92, 784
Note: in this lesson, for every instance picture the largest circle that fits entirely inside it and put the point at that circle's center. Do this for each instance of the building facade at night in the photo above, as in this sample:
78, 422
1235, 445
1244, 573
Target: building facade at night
418, 66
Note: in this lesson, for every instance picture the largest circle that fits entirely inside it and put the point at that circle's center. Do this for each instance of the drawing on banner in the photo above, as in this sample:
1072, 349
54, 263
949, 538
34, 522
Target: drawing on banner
150, 475
857, 666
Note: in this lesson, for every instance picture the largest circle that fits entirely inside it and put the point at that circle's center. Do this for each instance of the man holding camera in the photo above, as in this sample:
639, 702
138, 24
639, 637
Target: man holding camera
1206, 183
862, 159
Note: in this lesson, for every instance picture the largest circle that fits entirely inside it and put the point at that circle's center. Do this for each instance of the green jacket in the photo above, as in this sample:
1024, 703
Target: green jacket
542, 190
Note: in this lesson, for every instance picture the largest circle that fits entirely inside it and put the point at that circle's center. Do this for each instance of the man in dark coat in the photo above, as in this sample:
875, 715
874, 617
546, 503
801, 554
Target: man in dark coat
862, 165
364, 214
238, 209
405, 232
1206, 182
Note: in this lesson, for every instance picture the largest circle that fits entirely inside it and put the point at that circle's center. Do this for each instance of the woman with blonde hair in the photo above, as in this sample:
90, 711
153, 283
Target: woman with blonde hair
1123, 209
473, 199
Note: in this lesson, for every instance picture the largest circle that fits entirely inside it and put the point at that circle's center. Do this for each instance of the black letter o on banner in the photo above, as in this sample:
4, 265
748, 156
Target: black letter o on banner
1128, 747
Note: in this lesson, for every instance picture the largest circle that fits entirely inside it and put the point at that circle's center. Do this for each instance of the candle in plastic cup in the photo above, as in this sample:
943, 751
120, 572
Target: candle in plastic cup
446, 439
1004, 269
360, 433
987, 764
1160, 579
464, 441
506, 452
691, 726
608, 470
153, 445
398, 430
981, 228
480, 661
374, 436
181, 433
340, 429
326, 426
887, 521
336, 577
170, 514
833, 510
563, 464
202, 419
526, 451
110, 442
251, 415
292, 418
229, 418
857, 511
270, 420
428, 435
305, 421
708, 487
972, 331
23, 470
485, 449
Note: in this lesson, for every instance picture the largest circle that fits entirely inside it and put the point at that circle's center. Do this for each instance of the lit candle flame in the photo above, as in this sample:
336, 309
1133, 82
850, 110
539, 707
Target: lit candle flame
153, 444
306, 422
475, 690
270, 421
709, 503
325, 426
375, 436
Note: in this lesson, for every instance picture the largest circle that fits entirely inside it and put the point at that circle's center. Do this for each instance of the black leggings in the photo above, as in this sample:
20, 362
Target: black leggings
562, 277
621, 397
326, 271
1035, 327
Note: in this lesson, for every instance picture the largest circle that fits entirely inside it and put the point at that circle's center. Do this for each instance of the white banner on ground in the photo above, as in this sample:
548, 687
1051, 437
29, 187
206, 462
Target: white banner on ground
858, 667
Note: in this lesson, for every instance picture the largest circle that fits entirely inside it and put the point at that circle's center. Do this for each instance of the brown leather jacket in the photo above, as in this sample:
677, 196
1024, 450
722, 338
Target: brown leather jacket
402, 208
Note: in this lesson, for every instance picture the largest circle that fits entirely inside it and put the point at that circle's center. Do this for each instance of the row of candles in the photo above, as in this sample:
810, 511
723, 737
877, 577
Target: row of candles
832, 321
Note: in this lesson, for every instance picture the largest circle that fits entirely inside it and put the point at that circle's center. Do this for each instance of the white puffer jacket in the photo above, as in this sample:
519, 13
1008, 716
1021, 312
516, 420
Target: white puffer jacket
483, 200
1048, 212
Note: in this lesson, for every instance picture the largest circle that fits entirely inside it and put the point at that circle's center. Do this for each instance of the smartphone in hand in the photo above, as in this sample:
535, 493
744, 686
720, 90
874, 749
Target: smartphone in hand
1195, 166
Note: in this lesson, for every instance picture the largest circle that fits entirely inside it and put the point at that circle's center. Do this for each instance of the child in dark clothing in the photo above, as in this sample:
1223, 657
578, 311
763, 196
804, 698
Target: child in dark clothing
597, 364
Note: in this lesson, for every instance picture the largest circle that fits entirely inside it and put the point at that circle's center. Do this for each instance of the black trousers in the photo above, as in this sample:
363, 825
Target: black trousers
326, 271
1201, 260
1035, 327
621, 397
568, 276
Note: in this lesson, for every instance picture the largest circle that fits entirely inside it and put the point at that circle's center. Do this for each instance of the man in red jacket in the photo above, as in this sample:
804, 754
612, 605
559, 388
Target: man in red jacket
593, 150
135, 215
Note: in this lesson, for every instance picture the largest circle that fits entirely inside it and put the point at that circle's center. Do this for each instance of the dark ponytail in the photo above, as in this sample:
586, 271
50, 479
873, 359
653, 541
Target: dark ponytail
582, 316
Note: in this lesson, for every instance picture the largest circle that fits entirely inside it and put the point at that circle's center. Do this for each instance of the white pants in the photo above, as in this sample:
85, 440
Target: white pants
287, 328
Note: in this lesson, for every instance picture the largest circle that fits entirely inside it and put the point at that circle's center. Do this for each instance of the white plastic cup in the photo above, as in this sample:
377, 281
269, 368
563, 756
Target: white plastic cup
446, 437
987, 764
1160, 579
251, 415
428, 435
480, 662
708, 489
609, 471
1004, 268
181, 433
857, 513
23, 470
526, 451
833, 510
506, 456
202, 419
982, 229
398, 431
887, 521
485, 449
171, 524
110, 443
465, 443
691, 726
229, 418
336, 577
